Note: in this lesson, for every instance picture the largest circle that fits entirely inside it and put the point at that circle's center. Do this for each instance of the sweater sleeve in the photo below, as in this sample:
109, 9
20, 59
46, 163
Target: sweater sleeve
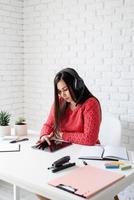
48, 126
92, 120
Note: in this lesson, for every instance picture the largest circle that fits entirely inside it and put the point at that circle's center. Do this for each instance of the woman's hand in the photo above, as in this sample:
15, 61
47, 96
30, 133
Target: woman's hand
46, 138
58, 135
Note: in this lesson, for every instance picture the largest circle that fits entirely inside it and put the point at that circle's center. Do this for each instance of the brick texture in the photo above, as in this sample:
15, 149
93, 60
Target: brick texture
11, 58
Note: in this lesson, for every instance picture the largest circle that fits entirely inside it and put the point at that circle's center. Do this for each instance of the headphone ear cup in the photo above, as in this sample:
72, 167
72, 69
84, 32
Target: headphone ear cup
78, 84
78, 81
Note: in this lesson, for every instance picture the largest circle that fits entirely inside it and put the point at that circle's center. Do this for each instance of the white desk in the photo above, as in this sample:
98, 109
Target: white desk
28, 169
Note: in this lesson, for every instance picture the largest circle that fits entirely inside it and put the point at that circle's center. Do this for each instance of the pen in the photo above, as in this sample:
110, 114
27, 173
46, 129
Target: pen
19, 140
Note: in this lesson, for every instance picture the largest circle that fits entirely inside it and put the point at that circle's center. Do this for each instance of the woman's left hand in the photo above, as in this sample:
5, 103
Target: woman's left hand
58, 135
46, 138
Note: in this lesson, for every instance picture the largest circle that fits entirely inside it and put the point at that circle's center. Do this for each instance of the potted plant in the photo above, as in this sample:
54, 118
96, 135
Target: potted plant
5, 128
20, 126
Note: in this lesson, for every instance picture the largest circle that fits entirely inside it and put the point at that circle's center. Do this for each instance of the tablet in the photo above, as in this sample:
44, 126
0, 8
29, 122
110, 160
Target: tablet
56, 144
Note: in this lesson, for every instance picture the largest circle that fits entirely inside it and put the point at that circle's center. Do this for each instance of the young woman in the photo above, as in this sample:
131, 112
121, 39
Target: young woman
75, 115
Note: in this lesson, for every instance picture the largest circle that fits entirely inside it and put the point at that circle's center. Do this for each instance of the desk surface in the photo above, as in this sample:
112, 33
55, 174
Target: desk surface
28, 169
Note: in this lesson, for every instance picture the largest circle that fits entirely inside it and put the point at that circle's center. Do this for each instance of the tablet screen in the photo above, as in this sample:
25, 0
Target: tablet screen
55, 145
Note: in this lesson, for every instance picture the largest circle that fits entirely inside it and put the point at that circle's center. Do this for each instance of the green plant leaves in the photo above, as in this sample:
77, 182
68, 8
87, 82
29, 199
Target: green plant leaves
4, 118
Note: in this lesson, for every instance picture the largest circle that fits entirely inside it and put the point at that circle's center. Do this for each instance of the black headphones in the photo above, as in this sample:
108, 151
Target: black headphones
78, 81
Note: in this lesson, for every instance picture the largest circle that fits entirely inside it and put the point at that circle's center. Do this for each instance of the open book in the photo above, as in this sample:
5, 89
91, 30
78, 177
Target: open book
103, 153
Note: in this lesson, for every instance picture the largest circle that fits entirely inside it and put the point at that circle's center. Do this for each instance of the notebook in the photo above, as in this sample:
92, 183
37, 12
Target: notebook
104, 153
9, 147
85, 181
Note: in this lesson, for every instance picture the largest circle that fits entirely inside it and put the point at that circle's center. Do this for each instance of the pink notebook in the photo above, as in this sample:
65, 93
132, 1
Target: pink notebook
86, 181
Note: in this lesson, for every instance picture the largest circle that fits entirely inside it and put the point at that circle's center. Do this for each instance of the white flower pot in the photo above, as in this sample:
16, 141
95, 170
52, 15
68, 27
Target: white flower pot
5, 130
20, 130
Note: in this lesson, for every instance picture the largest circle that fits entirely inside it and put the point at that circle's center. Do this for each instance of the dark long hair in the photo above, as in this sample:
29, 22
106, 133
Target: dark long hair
78, 93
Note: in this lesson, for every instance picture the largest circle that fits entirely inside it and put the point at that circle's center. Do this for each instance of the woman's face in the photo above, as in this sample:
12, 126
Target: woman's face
63, 91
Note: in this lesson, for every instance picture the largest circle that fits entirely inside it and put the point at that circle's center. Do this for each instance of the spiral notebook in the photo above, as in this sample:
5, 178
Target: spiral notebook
84, 182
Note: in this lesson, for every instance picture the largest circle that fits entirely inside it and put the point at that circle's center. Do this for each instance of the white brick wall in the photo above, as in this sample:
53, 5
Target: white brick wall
96, 37
11, 57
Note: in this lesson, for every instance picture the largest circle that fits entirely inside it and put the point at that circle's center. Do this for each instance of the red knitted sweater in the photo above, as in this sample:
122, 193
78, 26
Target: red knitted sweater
80, 126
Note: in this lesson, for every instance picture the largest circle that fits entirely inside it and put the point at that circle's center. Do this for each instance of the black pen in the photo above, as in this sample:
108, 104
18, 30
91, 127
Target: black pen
19, 140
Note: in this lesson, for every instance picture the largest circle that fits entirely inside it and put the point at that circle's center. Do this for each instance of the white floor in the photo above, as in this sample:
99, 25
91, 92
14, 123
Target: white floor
7, 194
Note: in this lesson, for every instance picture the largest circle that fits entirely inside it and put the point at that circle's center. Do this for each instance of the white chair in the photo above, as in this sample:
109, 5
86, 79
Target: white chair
110, 130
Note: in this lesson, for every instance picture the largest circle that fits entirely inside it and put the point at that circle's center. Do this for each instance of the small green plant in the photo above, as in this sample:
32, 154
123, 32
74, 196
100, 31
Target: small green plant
20, 121
4, 118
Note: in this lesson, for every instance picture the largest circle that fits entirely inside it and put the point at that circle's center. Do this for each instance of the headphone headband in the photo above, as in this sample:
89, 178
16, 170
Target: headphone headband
78, 81
72, 72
